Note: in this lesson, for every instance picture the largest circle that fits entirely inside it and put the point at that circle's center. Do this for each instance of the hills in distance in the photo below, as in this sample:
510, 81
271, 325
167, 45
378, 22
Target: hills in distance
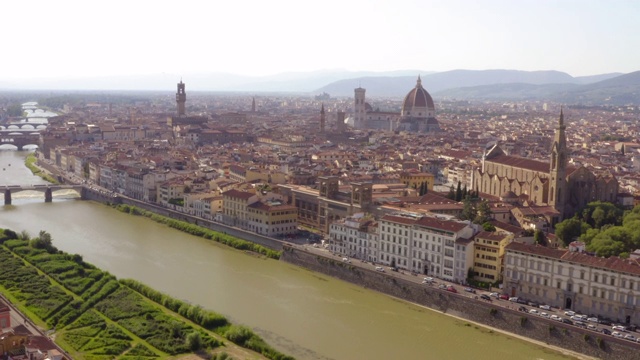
500, 85
503, 85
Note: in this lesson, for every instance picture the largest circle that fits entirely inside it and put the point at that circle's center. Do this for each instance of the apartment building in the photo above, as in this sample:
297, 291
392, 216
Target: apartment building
572, 279
272, 218
356, 236
424, 244
488, 255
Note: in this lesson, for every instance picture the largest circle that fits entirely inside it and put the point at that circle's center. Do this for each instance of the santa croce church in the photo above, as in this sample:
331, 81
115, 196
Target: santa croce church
557, 188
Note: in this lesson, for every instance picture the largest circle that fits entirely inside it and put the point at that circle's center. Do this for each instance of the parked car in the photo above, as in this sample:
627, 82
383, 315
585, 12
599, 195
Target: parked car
513, 299
617, 334
533, 311
379, 268
592, 327
533, 303
521, 301
605, 322
630, 337
346, 259
504, 297
442, 286
556, 317
545, 307
468, 289
452, 289
606, 331
544, 315
427, 280
631, 328
569, 313
618, 328
567, 321
580, 323
593, 319
522, 308
495, 295
485, 297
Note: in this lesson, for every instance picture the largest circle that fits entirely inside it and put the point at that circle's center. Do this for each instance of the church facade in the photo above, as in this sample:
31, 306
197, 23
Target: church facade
562, 188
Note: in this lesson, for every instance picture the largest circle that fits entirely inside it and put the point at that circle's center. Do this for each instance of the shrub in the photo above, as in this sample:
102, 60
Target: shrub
600, 342
523, 321
194, 341
586, 337
493, 312
552, 328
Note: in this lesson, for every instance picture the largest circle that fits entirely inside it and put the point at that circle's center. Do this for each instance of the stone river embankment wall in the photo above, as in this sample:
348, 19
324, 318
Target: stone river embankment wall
548, 331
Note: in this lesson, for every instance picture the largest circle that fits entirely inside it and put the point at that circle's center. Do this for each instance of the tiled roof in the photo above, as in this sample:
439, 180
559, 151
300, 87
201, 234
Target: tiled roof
435, 223
521, 162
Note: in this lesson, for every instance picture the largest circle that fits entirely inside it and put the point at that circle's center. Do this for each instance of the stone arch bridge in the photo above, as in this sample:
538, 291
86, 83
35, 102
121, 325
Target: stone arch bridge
47, 189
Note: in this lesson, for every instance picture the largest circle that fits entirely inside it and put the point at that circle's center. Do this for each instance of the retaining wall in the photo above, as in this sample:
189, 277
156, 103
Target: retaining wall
548, 331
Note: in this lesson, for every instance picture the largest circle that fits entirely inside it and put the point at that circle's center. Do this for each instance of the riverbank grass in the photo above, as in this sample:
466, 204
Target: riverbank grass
30, 163
200, 231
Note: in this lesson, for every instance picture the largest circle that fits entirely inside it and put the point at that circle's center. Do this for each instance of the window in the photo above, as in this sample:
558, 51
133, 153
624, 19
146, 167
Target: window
613, 281
595, 278
559, 285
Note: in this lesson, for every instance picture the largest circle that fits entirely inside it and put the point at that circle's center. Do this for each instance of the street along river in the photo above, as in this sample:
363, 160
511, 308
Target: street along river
304, 314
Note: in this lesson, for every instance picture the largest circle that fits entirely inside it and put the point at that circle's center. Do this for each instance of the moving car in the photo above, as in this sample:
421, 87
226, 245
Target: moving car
544, 315
593, 319
556, 317
485, 297
427, 280
379, 268
533, 311
606, 331
567, 321
468, 289
630, 337
545, 307
592, 327
495, 295
617, 334
504, 297
452, 289
513, 299
569, 313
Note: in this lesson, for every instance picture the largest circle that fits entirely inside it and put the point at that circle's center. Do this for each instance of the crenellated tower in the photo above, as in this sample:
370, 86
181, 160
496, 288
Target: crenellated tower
322, 119
558, 170
181, 99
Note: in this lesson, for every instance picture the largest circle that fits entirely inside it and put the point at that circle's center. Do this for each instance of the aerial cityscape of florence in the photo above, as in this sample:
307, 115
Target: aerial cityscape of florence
339, 180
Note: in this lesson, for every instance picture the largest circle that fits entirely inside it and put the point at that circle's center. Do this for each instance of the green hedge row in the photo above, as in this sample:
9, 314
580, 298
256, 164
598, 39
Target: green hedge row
201, 231
207, 319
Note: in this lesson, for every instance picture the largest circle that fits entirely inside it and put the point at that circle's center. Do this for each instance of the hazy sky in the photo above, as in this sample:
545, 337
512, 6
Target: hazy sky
53, 38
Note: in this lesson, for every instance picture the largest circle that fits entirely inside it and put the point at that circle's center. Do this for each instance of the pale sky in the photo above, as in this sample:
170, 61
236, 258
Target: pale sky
65, 38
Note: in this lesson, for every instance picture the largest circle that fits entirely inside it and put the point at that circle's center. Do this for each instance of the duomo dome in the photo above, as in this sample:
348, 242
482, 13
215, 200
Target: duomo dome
418, 103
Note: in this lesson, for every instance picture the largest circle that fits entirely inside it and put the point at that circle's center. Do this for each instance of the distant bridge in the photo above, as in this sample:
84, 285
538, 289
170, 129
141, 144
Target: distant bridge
19, 139
47, 189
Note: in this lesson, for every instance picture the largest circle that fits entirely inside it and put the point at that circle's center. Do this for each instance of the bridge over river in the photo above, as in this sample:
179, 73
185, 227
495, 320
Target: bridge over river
47, 189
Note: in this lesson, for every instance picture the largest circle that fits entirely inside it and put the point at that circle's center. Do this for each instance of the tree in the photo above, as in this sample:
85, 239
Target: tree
451, 195
469, 211
487, 226
459, 192
539, 238
43, 241
483, 213
569, 229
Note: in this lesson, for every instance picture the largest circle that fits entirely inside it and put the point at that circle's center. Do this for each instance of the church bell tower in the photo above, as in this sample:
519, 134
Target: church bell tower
558, 171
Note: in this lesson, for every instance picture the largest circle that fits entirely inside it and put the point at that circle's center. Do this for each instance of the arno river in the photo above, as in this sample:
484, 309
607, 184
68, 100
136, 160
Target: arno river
304, 314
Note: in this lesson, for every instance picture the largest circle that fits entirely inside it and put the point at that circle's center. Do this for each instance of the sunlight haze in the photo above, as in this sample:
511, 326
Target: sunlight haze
81, 38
